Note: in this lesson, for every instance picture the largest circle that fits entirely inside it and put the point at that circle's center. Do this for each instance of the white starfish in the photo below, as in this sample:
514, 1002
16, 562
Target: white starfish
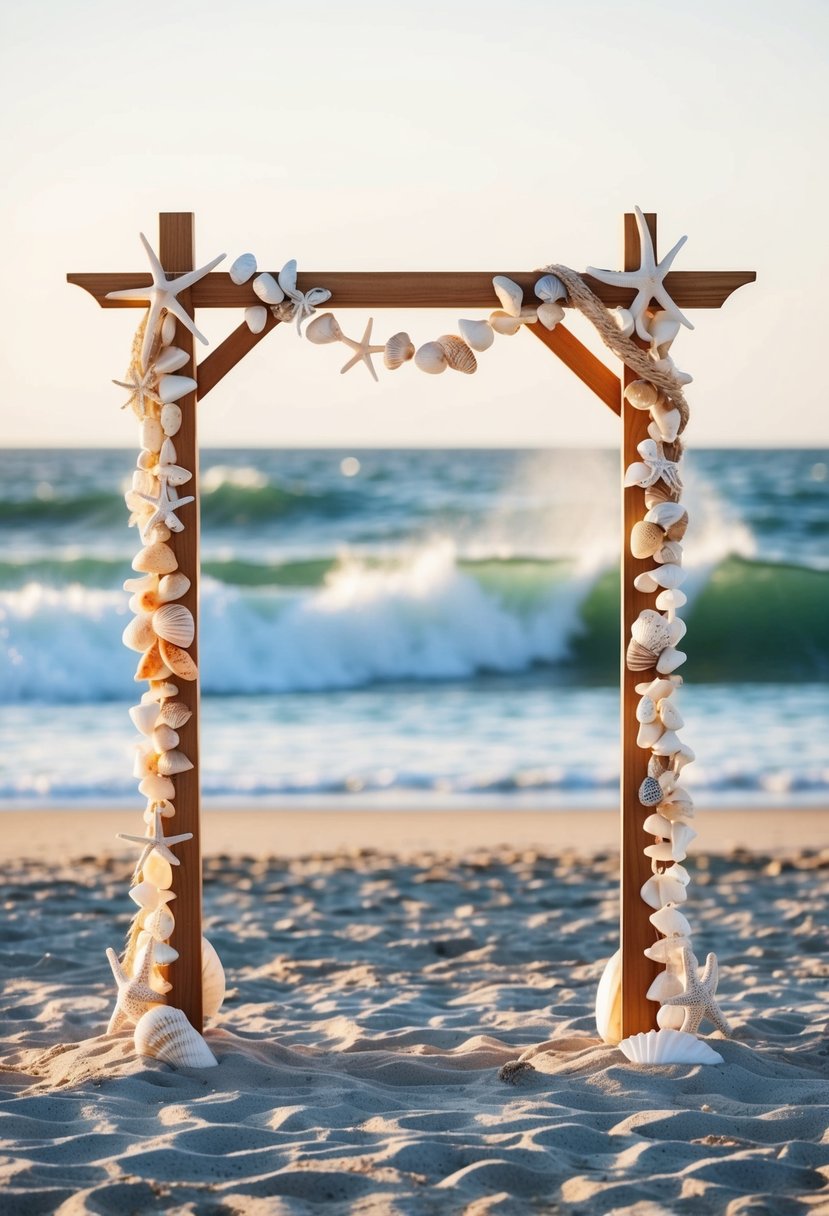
161, 294
143, 387
363, 350
299, 304
653, 465
166, 504
698, 997
135, 995
157, 841
646, 281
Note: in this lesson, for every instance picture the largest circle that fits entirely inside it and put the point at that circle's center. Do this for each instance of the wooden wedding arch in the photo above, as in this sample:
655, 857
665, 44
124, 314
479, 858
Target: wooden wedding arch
422, 289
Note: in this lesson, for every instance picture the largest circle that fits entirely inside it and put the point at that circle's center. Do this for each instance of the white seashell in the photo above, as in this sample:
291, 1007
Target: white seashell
669, 715
661, 889
173, 586
148, 896
168, 329
681, 836
669, 660
157, 558
165, 809
431, 358
171, 418
170, 763
458, 355
256, 318
159, 922
163, 954
159, 690
175, 714
667, 949
667, 420
657, 765
139, 634
650, 629
666, 984
667, 744
158, 871
509, 294
676, 811
178, 660
657, 825
626, 324
664, 1046
646, 710
671, 599
145, 760
641, 394
646, 539
157, 787
324, 328
678, 630
504, 323
212, 979
668, 576
670, 921
662, 851
267, 289
659, 688
679, 873
609, 1001
648, 734
670, 551
168, 454
645, 582
670, 1017
243, 268
637, 474
477, 334
550, 288
165, 739
667, 779
147, 582
174, 623
152, 435
170, 359
144, 717
398, 350
287, 277
684, 755
172, 388
668, 515
163, 1033
549, 315
663, 328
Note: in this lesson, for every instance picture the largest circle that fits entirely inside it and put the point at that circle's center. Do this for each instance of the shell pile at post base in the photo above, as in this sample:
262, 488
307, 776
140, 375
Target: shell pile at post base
161, 631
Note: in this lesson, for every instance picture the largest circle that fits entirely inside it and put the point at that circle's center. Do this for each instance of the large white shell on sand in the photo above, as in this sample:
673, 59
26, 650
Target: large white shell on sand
168, 1036
609, 1001
212, 979
665, 1047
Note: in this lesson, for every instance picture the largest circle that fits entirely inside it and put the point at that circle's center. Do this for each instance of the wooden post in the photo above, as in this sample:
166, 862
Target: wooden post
177, 254
636, 931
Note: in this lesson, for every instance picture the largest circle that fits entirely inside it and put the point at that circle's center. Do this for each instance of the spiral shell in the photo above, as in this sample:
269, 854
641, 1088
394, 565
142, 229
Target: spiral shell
398, 350
163, 1033
646, 538
458, 355
174, 623
178, 660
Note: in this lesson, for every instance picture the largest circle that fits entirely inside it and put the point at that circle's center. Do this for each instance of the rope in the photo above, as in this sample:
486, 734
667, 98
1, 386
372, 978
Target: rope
582, 298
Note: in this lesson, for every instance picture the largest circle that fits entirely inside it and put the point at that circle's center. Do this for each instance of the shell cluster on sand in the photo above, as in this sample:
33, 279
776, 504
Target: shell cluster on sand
162, 630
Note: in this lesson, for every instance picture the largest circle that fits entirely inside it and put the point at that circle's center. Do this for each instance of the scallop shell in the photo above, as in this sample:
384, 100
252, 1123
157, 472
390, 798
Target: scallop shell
163, 1033
173, 388
168, 329
650, 629
650, 792
550, 288
509, 294
660, 890
158, 871
431, 358
664, 1046
175, 714
323, 329
669, 715
398, 350
549, 314
458, 355
609, 1001
151, 665
670, 921
139, 635
165, 739
641, 394
638, 658
648, 733
646, 710
157, 787
477, 334
174, 623
256, 318
170, 763
670, 659
212, 979
504, 323
645, 539
267, 289
144, 717
178, 660
152, 435
171, 418
243, 268
157, 558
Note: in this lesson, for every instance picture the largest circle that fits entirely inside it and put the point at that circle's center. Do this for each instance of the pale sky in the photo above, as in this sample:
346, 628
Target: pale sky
365, 135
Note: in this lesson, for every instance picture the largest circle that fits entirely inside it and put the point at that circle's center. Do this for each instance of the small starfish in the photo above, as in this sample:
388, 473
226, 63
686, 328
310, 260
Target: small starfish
143, 387
698, 997
157, 841
166, 504
364, 350
299, 304
653, 465
646, 281
161, 294
134, 992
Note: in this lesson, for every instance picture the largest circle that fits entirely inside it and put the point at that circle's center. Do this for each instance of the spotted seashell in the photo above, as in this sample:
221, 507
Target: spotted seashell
646, 538
175, 714
174, 623
646, 710
458, 355
178, 660
669, 660
398, 350
163, 1033
151, 665
650, 792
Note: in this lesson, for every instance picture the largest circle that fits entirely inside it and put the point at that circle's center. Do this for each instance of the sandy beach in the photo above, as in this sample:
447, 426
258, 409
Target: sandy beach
382, 969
